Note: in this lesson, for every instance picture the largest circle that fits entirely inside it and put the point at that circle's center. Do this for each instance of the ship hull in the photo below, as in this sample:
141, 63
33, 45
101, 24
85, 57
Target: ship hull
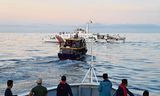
64, 56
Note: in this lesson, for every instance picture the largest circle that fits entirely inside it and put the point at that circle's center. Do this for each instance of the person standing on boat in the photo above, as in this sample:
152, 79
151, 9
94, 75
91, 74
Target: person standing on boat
8, 91
64, 89
105, 87
39, 90
123, 90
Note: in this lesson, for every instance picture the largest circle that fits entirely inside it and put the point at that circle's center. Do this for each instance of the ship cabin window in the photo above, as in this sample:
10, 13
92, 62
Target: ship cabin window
67, 43
76, 44
66, 51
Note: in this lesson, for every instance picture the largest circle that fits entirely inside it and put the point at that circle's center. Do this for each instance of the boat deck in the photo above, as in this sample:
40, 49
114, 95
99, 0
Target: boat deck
79, 89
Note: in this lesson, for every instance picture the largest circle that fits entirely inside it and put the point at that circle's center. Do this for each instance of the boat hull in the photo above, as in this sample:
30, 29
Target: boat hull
63, 56
81, 90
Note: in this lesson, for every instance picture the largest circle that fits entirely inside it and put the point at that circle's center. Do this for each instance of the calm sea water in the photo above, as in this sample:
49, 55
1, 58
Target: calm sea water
24, 57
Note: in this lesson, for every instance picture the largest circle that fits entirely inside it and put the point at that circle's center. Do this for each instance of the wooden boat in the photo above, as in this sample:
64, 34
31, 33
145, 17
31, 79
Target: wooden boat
73, 48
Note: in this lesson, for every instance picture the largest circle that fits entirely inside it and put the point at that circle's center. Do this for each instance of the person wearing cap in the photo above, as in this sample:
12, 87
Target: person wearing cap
123, 90
105, 87
63, 88
38, 90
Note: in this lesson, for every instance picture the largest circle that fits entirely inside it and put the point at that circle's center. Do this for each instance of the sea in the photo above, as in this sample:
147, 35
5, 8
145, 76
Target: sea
24, 57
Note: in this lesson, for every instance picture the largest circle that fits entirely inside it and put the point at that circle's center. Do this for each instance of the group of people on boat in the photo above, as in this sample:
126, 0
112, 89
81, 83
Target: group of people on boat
105, 87
64, 89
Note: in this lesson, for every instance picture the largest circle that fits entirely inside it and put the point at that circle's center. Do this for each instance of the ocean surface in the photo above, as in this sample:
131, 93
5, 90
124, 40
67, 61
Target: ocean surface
24, 57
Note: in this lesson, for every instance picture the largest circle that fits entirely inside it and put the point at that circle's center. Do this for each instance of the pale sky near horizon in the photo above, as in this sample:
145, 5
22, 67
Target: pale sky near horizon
79, 11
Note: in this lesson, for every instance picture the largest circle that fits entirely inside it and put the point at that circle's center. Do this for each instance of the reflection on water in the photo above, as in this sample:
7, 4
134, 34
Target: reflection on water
24, 57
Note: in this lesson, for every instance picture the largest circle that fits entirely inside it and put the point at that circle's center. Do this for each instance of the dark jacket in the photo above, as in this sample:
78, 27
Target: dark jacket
39, 90
64, 89
8, 92
120, 91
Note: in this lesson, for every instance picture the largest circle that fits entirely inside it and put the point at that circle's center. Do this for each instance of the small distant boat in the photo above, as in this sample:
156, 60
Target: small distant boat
73, 48
115, 38
50, 39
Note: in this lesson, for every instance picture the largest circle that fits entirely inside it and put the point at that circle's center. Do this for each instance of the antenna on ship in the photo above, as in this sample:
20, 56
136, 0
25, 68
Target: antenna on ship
87, 27
91, 70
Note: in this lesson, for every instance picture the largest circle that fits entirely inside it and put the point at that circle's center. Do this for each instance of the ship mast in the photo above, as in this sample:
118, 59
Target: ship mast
91, 71
87, 27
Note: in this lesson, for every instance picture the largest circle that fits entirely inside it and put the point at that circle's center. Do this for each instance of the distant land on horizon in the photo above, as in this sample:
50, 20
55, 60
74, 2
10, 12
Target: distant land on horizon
95, 27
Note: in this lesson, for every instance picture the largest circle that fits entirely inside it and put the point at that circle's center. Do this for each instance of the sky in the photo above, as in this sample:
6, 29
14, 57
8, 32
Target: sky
71, 12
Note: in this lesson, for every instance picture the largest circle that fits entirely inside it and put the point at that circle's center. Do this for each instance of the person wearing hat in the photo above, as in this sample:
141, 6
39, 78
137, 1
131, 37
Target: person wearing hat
38, 90
64, 89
